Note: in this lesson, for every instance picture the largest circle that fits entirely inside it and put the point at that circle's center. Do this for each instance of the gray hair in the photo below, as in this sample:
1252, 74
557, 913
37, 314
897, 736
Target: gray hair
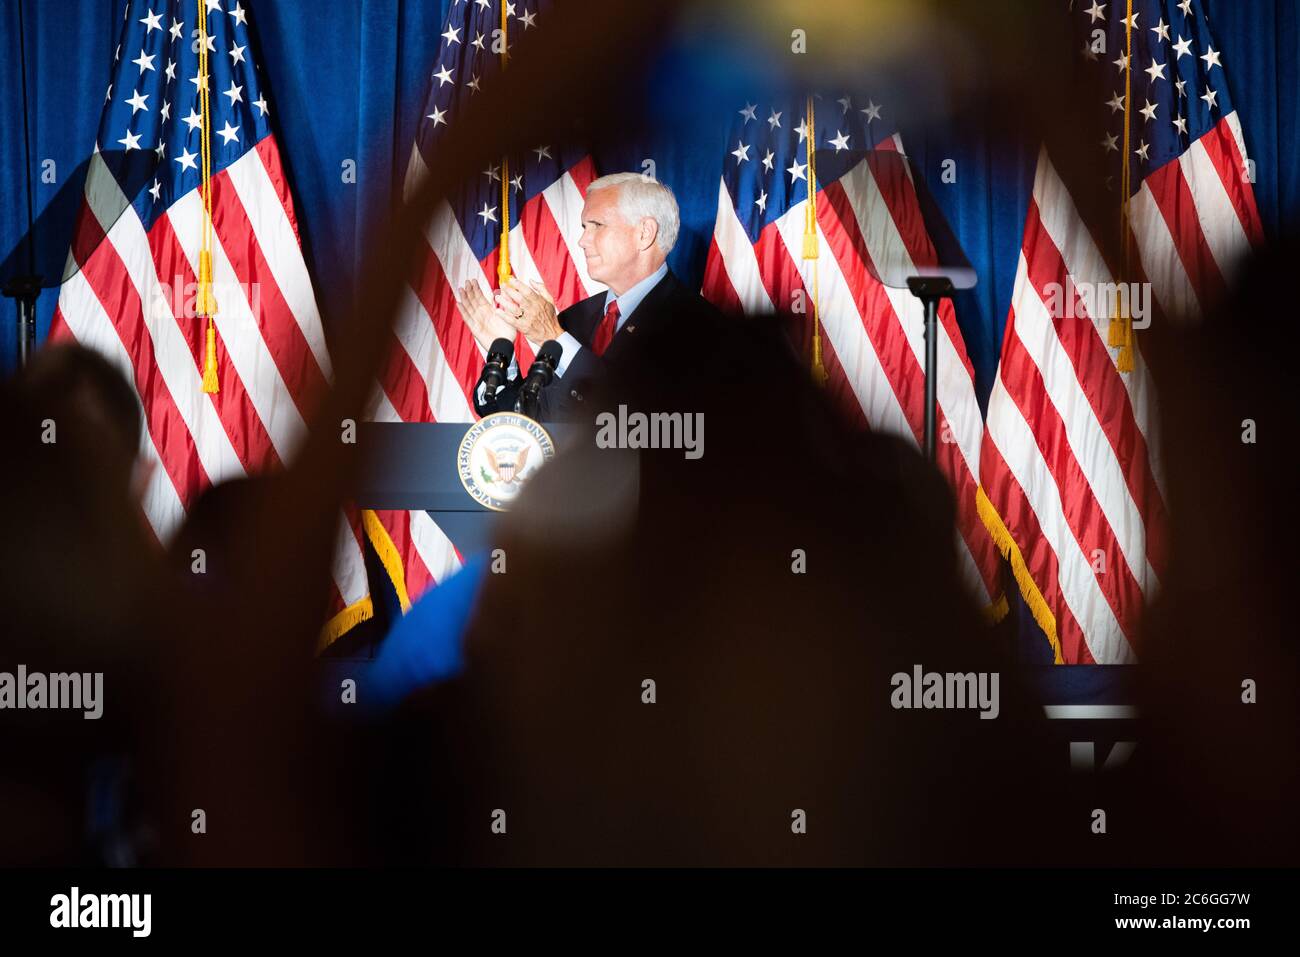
643, 196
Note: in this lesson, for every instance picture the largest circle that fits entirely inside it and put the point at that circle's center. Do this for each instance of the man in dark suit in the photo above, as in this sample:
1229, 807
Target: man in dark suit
629, 225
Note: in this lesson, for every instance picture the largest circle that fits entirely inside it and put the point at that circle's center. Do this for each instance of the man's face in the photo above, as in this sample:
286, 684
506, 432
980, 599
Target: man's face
609, 243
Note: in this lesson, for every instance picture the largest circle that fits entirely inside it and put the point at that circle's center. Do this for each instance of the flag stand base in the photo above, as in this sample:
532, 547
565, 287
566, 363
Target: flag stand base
25, 290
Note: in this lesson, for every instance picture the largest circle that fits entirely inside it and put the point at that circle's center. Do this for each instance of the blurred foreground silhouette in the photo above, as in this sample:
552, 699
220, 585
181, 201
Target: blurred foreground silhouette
772, 689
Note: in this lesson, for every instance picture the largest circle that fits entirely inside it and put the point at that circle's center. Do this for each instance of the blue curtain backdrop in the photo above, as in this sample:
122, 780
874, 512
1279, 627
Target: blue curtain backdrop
347, 79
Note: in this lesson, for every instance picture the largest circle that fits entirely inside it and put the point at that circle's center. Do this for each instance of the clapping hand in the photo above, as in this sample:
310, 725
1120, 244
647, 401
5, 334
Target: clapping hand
530, 309
486, 322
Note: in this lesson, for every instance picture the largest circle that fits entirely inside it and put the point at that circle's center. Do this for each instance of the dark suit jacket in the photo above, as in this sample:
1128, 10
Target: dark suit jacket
668, 307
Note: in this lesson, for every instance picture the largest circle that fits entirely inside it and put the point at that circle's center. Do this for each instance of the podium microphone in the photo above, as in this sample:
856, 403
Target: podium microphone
498, 362
540, 374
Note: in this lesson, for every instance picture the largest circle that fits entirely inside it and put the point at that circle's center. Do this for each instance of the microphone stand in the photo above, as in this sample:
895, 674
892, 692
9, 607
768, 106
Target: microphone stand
930, 289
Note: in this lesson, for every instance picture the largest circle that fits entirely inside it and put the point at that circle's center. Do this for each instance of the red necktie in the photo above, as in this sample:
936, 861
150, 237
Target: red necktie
605, 331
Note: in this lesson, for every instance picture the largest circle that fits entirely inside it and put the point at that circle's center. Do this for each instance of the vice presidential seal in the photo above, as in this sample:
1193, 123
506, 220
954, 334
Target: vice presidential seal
498, 454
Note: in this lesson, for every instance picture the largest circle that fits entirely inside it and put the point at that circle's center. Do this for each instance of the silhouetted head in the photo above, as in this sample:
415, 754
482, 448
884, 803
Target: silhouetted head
92, 403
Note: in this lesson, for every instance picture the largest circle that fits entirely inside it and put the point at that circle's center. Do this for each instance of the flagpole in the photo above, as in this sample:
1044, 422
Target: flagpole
503, 249
205, 304
1120, 330
24, 290
810, 242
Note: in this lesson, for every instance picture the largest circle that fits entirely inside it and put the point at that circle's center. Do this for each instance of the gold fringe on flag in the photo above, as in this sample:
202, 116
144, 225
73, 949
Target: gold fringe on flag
1028, 588
386, 549
361, 610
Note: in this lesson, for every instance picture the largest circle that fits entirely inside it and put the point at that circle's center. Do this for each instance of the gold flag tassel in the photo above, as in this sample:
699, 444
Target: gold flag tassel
1115, 336
1124, 361
210, 383
810, 246
1119, 332
503, 248
205, 303
503, 254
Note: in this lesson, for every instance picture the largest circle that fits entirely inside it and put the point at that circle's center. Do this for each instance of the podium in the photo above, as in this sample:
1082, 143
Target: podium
412, 465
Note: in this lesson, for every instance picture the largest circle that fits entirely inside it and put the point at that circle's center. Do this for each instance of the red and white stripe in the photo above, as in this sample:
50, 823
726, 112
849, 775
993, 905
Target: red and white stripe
869, 224
1070, 461
434, 362
124, 298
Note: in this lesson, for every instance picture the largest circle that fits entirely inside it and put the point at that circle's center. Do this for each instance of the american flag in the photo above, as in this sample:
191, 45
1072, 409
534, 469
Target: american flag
868, 225
1075, 494
434, 361
130, 292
